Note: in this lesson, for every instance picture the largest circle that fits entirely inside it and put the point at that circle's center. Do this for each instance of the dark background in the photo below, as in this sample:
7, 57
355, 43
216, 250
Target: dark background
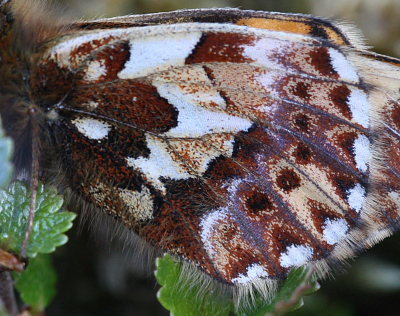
98, 278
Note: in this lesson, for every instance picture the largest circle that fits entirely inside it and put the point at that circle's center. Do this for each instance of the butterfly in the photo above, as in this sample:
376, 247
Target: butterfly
245, 143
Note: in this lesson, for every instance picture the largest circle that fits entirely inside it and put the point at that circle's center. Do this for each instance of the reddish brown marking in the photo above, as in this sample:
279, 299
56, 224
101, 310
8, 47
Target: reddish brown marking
201, 197
171, 232
241, 254
346, 141
339, 97
302, 153
302, 121
222, 169
126, 142
220, 47
114, 57
299, 58
258, 201
301, 90
391, 176
99, 159
241, 259
288, 180
132, 102
286, 235
329, 97
321, 61
245, 144
89, 47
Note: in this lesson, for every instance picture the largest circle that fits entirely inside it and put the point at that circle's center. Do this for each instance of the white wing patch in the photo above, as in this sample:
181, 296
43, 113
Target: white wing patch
362, 152
139, 204
92, 128
342, 66
158, 53
196, 121
335, 230
95, 70
359, 107
296, 255
261, 51
253, 272
356, 197
158, 164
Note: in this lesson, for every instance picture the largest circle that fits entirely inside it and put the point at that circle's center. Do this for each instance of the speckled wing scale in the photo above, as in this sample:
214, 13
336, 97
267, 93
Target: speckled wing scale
247, 143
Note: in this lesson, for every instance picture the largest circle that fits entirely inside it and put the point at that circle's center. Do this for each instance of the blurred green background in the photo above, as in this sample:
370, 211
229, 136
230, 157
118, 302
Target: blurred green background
98, 278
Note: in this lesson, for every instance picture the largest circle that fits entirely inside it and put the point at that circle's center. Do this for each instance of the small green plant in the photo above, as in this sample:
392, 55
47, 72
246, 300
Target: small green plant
35, 284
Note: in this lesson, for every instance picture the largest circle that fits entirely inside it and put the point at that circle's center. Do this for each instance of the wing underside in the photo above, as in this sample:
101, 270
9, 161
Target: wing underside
248, 147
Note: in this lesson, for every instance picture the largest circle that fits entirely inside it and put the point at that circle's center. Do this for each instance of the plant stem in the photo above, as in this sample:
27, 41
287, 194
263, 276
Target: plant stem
7, 295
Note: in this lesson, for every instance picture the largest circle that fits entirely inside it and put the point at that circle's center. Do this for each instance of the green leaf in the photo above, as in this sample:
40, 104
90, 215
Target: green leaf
49, 225
6, 150
289, 297
184, 299
37, 284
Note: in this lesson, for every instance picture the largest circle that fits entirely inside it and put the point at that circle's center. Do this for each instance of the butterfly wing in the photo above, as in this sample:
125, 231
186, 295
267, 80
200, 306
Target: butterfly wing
248, 144
382, 74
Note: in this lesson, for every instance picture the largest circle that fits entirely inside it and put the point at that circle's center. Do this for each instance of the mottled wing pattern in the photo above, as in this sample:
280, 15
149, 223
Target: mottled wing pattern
248, 143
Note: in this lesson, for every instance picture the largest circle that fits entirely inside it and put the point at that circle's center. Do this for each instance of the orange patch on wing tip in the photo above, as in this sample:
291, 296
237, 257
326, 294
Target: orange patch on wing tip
298, 27
334, 36
277, 25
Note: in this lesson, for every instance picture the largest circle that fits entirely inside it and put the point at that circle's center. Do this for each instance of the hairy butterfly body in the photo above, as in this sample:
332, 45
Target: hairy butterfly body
247, 143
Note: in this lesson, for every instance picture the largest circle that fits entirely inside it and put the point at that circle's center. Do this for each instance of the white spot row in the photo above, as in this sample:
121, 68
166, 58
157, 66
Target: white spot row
296, 256
362, 152
253, 272
356, 197
342, 66
359, 107
335, 230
